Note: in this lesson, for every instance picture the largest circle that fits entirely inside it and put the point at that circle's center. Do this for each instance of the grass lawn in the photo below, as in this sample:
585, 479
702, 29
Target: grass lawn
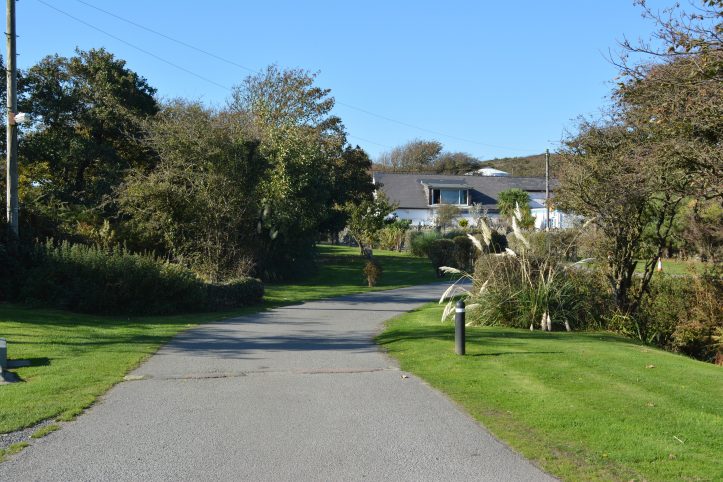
677, 267
584, 406
75, 358
340, 273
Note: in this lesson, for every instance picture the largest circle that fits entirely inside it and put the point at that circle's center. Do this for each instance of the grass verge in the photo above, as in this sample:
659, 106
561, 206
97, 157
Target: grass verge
45, 431
12, 450
75, 358
584, 406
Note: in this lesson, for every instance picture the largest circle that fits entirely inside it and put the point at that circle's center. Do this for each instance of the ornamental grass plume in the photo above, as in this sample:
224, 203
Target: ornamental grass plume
516, 287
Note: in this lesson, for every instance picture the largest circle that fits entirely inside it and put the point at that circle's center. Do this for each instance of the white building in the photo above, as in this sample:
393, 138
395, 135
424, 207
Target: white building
419, 195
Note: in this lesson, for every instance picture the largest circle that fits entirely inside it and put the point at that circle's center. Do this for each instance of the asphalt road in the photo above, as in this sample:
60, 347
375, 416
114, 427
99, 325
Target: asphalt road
296, 393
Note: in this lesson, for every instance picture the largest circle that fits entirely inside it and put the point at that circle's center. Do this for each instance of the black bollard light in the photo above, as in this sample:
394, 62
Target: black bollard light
459, 341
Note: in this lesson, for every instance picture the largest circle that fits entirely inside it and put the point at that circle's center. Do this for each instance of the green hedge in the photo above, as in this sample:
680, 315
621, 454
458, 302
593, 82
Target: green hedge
419, 242
95, 280
441, 252
234, 293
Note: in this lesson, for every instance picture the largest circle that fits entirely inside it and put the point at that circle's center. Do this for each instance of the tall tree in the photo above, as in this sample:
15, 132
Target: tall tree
455, 163
633, 172
200, 204
87, 127
300, 139
416, 155
675, 91
352, 182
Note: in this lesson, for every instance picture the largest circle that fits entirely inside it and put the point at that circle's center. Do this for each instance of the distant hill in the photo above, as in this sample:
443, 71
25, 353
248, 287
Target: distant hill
532, 166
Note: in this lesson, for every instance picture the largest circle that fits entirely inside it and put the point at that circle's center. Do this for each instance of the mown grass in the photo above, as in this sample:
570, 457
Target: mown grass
340, 273
678, 267
584, 406
75, 358
675, 267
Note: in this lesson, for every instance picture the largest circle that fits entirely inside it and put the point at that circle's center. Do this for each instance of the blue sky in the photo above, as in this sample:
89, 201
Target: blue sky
493, 79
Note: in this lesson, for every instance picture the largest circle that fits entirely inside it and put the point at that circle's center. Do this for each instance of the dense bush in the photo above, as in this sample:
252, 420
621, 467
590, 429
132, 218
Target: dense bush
419, 242
393, 236
454, 233
441, 252
560, 243
498, 242
464, 253
683, 314
94, 280
234, 293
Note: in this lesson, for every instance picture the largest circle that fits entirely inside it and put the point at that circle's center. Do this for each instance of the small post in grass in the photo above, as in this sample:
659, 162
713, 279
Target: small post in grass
3, 355
459, 341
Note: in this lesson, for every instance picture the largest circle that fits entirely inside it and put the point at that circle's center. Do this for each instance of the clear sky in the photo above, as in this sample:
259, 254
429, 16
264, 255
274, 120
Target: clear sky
493, 79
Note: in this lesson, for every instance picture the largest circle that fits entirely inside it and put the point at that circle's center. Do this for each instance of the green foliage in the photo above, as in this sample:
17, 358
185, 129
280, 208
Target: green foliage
201, 203
95, 280
464, 253
634, 171
426, 156
233, 293
683, 314
352, 182
700, 227
518, 291
445, 214
526, 166
88, 112
92, 280
509, 199
529, 286
498, 242
372, 272
419, 242
366, 219
416, 155
393, 234
441, 252
301, 141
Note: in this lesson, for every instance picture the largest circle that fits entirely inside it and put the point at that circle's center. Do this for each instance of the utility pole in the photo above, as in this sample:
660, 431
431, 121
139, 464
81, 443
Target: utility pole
12, 129
547, 189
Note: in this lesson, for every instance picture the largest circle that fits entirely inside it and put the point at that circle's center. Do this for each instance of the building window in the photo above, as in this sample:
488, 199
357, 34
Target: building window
449, 196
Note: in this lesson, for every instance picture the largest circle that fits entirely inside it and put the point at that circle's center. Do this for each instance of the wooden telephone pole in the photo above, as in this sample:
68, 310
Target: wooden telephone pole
12, 128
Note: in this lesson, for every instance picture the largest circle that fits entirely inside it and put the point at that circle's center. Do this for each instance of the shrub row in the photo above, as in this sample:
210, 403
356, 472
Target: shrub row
455, 251
95, 280
682, 314
679, 314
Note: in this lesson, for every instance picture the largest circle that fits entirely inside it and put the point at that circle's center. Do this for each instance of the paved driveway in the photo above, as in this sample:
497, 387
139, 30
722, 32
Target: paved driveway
296, 393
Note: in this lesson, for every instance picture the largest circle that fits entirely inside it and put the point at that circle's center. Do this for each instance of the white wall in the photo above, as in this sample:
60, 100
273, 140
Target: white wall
425, 217
558, 219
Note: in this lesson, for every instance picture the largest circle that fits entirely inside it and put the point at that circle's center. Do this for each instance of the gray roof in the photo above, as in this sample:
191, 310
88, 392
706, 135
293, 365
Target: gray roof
408, 190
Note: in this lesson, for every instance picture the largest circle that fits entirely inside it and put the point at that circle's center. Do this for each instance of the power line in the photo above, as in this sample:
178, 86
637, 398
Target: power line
236, 64
370, 142
135, 46
172, 39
